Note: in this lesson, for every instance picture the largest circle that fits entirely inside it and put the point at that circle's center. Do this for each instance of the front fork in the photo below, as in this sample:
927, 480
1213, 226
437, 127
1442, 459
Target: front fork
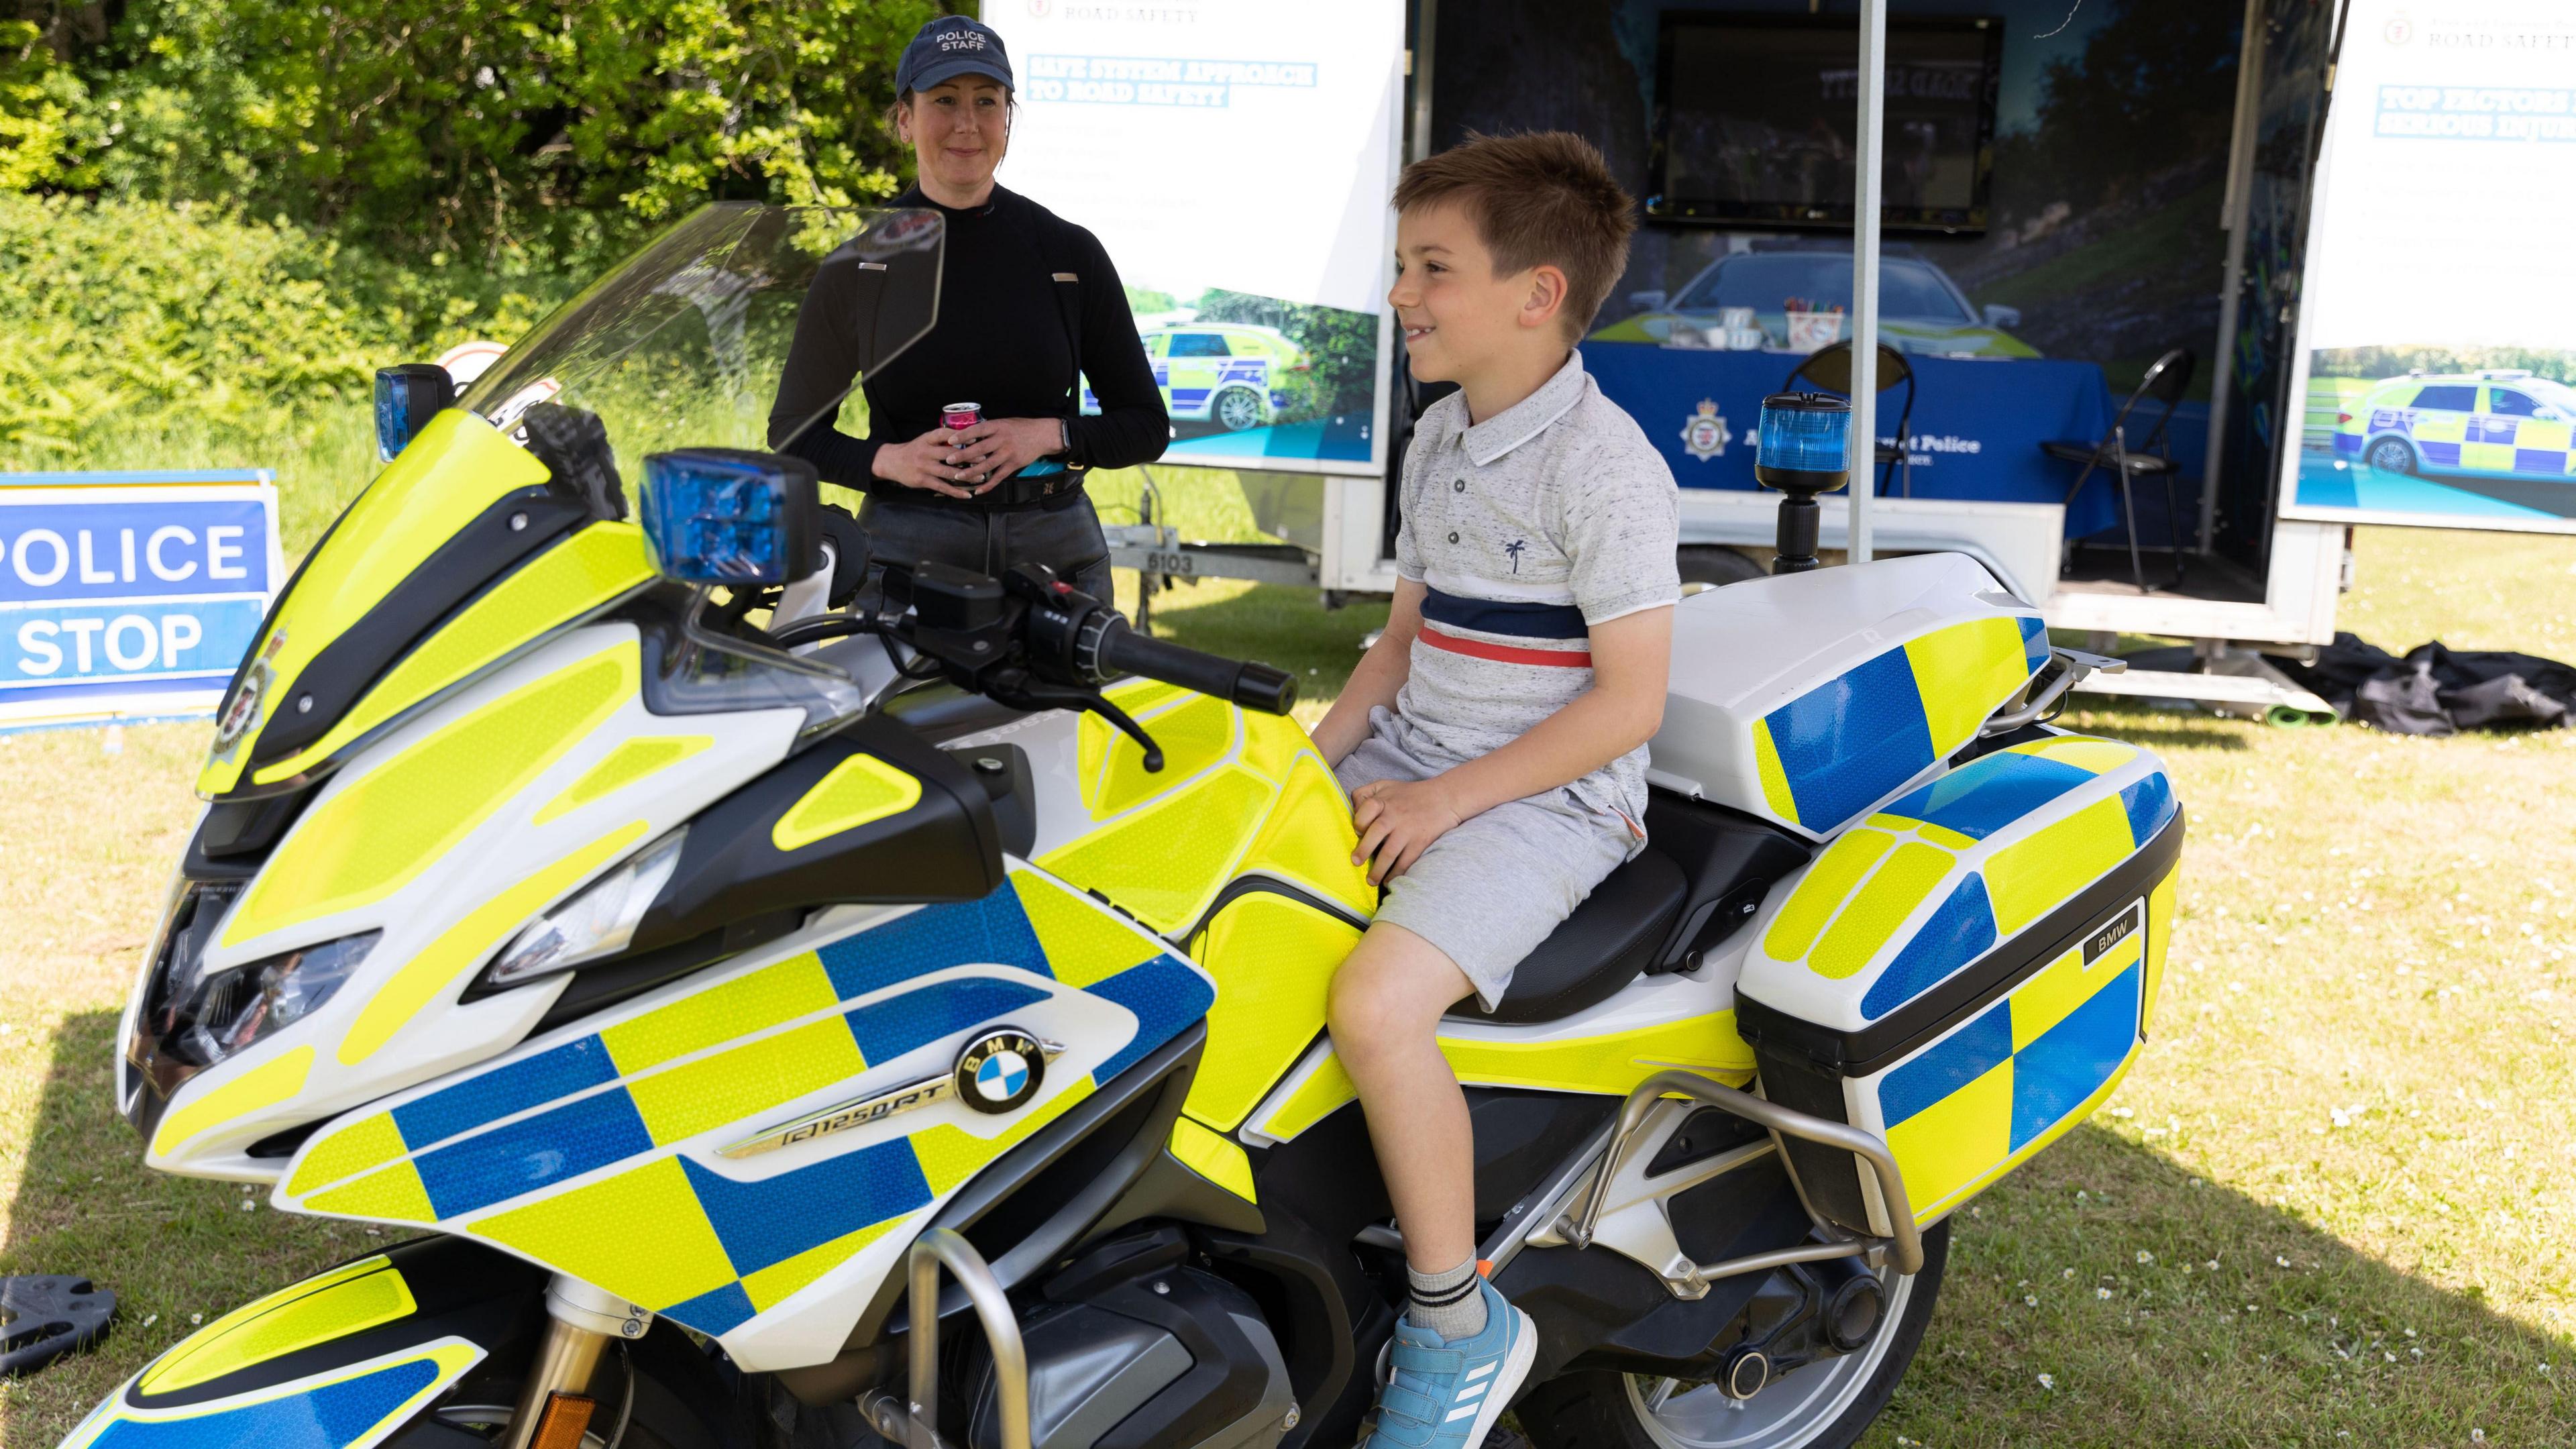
557, 1400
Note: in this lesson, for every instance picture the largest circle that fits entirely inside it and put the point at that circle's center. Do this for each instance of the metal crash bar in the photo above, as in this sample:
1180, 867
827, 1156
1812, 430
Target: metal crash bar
915, 1424
1904, 1249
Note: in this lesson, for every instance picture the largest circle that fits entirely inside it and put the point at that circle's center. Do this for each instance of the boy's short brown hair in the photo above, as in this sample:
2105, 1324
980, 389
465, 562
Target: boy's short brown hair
1537, 197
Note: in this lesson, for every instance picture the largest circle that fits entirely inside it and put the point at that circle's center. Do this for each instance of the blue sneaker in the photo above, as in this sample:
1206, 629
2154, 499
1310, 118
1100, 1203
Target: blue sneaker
1445, 1393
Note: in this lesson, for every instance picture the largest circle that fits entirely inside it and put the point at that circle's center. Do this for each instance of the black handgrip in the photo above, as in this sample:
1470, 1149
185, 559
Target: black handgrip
1271, 691
1253, 686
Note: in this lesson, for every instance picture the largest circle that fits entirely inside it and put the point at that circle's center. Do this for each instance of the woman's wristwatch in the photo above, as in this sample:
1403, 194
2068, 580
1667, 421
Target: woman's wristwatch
1064, 446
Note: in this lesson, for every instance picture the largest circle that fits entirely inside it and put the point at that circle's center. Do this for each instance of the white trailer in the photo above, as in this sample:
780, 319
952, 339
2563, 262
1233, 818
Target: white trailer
2280, 215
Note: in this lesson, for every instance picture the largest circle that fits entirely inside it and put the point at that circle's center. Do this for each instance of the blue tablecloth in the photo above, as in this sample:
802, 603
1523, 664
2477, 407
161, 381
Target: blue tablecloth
1977, 424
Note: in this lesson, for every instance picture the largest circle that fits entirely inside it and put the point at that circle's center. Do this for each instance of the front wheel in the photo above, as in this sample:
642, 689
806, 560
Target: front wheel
1237, 408
1825, 1405
2392, 455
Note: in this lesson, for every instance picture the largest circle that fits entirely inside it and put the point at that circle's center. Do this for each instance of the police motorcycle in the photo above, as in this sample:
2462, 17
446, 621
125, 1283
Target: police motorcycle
777, 1023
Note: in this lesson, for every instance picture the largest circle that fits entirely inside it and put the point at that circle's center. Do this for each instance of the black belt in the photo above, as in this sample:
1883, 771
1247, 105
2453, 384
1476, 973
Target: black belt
1017, 491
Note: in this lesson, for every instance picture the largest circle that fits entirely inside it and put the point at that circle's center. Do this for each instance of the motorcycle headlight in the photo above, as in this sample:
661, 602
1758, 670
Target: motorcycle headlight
194, 1017
597, 922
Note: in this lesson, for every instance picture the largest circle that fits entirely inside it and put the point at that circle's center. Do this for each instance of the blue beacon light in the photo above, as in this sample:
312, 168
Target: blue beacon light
727, 516
1802, 448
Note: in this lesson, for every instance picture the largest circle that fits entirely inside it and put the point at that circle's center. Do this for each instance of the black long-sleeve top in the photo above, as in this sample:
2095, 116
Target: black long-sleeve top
1000, 341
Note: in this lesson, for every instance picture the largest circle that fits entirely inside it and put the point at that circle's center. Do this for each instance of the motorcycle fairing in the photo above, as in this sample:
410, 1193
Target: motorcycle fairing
1838, 688
596, 1150
451, 476
476, 813
1240, 793
1241, 845
573, 578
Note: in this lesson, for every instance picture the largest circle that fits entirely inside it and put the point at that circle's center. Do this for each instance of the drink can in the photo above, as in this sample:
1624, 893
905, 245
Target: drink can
957, 417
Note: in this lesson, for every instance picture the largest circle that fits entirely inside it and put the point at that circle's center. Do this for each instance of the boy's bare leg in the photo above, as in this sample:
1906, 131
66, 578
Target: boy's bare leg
1385, 1009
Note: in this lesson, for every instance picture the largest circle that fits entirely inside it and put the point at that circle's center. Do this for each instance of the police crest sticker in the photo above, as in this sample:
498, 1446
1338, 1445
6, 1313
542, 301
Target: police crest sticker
1002, 1069
1704, 436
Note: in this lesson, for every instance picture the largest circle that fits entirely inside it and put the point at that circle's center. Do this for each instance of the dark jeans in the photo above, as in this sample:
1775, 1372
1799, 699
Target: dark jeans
1067, 540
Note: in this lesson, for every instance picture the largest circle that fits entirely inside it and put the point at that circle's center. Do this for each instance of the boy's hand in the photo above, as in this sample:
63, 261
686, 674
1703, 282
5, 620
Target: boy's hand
1398, 820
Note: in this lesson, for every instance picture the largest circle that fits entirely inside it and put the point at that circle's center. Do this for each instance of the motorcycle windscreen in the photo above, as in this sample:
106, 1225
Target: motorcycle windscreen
743, 326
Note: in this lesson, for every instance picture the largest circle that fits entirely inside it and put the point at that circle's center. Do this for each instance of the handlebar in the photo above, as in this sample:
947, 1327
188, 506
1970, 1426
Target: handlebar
1252, 685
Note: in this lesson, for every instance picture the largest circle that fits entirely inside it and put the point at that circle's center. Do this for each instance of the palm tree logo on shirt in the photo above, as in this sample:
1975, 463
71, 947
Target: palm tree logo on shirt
1512, 551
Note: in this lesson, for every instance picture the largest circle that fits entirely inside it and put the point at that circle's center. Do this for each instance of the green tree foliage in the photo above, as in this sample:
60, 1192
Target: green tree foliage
549, 131
134, 317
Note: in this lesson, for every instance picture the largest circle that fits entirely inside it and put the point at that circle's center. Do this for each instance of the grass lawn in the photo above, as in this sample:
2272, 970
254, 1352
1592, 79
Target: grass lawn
2330, 1207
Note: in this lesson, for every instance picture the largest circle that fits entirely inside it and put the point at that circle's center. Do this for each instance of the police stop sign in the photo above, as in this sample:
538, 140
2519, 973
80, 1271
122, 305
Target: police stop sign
129, 595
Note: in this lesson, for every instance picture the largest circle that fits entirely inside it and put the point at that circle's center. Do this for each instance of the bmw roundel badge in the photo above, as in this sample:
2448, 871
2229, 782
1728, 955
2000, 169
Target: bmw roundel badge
1001, 1070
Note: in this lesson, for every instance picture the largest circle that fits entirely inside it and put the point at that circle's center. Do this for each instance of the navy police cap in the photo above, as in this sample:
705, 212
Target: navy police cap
949, 47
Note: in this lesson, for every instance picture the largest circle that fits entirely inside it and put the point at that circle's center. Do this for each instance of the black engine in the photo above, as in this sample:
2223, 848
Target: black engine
1135, 1349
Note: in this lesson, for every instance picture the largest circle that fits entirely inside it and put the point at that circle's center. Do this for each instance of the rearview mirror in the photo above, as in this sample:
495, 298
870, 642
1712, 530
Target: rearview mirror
730, 516
407, 397
1648, 301
2001, 317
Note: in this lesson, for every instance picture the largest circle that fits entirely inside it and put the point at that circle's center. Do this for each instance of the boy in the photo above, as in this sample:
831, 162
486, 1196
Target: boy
1493, 740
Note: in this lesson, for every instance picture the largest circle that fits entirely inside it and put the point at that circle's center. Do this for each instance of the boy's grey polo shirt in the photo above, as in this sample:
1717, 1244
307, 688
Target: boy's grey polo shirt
1527, 529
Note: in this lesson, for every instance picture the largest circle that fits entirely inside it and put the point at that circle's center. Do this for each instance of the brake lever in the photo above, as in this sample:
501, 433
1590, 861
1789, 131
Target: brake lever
1030, 693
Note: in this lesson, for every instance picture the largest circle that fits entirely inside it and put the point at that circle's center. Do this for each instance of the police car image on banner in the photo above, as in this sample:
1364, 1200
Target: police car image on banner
2502, 434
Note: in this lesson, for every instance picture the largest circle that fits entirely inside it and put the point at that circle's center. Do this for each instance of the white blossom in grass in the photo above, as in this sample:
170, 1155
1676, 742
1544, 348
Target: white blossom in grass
2048, 1382
2280, 1262
151, 1319
196, 1318
2031, 1300
2211, 1265
2146, 1259
2065, 1272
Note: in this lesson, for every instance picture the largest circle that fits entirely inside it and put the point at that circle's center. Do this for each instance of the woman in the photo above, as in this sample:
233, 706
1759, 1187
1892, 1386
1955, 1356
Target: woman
1028, 306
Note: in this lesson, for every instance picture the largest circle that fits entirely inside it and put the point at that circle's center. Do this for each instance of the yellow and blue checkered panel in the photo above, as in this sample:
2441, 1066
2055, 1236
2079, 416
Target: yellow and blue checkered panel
1842, 746
2002, 1084
332, 1415
1854, 903
686, 1239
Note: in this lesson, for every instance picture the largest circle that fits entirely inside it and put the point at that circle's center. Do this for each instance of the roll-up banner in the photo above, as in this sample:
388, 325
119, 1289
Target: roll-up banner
129, 596
2438, 330
1234, 157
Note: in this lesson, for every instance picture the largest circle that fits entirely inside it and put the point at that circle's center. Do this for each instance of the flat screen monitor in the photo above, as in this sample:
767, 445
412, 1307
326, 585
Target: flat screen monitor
1755, 117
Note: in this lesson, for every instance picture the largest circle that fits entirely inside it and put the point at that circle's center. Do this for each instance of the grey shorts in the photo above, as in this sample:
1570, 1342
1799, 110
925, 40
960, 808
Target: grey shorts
1489, 891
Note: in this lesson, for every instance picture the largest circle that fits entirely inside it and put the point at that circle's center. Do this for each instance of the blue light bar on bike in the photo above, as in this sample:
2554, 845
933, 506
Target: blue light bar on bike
727, 516
407, 397
1804, 440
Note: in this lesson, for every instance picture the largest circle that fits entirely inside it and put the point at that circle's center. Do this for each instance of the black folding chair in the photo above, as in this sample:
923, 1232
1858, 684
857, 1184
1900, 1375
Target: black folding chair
2166, 381
1830, 367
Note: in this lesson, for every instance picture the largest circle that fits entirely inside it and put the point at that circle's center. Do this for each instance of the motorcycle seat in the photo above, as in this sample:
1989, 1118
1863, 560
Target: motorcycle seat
1608, 942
